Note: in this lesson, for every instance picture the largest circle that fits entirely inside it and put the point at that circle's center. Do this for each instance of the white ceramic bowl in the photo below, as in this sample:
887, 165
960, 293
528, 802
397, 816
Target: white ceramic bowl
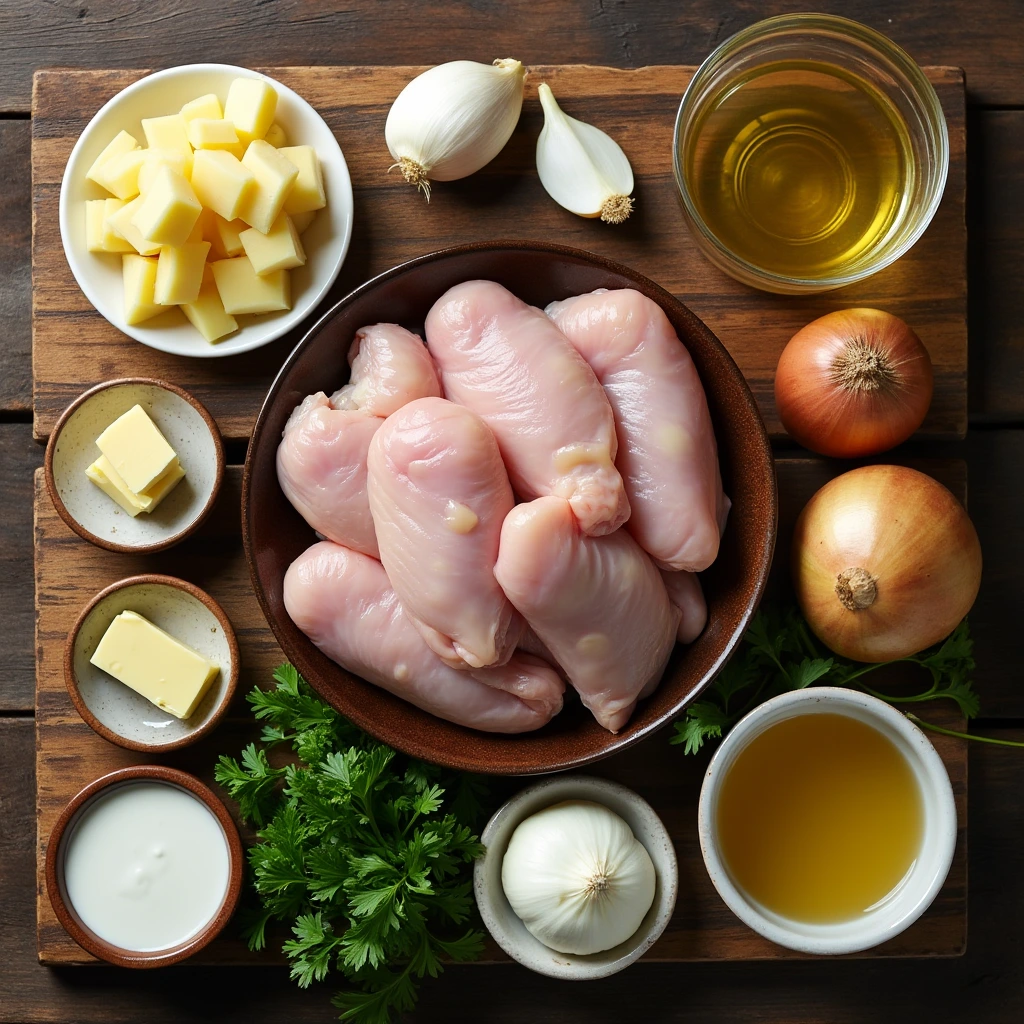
924, 880
190, 430
503, 923
99, 274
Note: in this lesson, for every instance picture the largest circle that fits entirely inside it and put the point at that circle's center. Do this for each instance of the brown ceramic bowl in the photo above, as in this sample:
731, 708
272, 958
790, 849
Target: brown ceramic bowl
117, 712
55, 852
275, 534
190, 430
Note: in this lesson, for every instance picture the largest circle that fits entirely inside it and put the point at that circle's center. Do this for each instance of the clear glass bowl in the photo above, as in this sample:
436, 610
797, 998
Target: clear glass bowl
854, 49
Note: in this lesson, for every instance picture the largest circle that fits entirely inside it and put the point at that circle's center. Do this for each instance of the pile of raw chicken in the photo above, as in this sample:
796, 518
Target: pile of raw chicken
520, 503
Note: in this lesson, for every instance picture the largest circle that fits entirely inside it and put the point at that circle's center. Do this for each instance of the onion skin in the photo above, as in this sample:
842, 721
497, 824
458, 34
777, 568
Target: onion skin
886, 389
914, 542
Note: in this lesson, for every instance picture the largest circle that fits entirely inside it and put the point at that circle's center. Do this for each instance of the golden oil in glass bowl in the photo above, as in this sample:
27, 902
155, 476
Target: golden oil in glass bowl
800, 167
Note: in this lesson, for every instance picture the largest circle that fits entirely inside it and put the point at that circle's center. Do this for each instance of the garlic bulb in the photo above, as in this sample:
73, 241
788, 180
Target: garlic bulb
581, 168
577, 877
451, 120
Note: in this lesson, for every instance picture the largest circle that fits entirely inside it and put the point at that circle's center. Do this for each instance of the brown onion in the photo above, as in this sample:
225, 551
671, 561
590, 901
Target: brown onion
885, 563
853, 383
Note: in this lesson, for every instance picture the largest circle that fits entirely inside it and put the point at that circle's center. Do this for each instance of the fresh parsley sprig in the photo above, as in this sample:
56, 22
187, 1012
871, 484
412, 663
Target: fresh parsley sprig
366, 853
779, 653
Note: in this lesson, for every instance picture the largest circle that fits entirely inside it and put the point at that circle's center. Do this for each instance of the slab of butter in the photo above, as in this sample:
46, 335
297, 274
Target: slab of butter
105, 477
138, 452
154, 664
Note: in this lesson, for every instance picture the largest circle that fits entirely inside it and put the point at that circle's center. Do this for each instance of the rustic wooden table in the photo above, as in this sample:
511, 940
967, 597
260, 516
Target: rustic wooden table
987, 984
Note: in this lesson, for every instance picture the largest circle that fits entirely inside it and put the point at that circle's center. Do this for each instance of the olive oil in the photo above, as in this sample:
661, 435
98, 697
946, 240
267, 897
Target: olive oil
801, 168
819, 818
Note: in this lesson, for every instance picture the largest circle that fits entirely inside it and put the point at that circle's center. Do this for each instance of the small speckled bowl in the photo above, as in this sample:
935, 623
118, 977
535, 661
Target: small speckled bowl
117, 712
190, 430
56, 849
505, 926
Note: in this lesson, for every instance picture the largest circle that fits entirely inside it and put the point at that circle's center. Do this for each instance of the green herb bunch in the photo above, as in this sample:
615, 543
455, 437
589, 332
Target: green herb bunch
779, 653
367, 854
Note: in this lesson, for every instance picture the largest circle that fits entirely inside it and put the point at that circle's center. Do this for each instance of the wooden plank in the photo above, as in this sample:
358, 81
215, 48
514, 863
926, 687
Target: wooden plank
996, 219
74, 347
69, 754
984, 38
16, 293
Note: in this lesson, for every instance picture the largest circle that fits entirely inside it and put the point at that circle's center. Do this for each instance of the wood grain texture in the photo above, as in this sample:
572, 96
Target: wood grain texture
75, 348
69, 754
16, 289
983, 39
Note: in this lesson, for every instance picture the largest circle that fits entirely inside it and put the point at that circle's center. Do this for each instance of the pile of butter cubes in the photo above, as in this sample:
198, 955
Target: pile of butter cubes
208, 215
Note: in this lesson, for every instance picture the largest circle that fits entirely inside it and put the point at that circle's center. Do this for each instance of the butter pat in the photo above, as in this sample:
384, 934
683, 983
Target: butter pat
154, 664
122, 143
250, 107
242, 290
169, 209
206, 313
106, 478
308, 191
139, 276
278, 250
275, 176
221, 183
136, 449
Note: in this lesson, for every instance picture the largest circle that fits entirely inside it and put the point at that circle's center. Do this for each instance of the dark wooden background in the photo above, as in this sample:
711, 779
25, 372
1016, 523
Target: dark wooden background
986, 38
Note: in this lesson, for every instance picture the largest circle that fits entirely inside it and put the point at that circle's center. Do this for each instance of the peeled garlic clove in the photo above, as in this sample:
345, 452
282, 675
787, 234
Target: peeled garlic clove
453, 119
581, 167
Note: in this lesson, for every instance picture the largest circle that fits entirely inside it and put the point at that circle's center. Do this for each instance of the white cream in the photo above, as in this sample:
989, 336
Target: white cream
147, 866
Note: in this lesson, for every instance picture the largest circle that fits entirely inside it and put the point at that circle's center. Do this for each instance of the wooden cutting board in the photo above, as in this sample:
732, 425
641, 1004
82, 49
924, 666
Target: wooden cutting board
69, 571
74, 347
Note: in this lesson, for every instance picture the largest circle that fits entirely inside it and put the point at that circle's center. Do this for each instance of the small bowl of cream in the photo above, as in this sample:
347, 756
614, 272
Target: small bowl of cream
144, 866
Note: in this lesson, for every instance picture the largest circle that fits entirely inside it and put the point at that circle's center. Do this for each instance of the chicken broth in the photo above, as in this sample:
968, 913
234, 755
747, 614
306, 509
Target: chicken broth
820, 818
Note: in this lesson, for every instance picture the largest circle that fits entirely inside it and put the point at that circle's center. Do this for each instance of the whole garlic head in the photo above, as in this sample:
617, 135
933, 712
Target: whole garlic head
577, 877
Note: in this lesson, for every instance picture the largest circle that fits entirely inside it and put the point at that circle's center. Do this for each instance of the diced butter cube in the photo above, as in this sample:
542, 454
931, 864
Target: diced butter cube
276, 136
250, 107
179, 273
275, 176
98, 234
308, 191
202, 106
302, 220
226, 236
221, 182
137, 450
242, 290
120, 222
169, 132
139, 275
154, 664
169, 209
120, 174
157, 158
280, 249
208, 133
122, 143
106, 478
207, 314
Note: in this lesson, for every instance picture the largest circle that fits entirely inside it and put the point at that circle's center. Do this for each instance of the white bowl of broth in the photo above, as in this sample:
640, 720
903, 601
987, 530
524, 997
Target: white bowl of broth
827, 821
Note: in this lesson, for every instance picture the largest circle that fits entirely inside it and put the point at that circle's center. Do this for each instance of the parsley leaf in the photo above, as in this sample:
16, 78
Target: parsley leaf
365, 853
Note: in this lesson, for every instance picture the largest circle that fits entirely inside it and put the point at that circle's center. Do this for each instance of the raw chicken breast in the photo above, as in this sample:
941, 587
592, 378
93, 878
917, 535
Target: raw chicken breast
390, 367
438, 495
321, 467
685, 592
343, 602
598, 603
507, 362
667, 452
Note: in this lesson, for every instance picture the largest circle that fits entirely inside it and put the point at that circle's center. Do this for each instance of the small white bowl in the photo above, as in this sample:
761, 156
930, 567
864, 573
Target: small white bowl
99, 274
190, 430
116, 711
508, 930
925, 878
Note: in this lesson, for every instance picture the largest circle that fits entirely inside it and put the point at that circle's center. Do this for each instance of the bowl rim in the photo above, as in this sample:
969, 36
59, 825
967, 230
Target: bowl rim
231, 683
412, 745
284, 324
507, 818
828, 939
103, 542
54, 868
